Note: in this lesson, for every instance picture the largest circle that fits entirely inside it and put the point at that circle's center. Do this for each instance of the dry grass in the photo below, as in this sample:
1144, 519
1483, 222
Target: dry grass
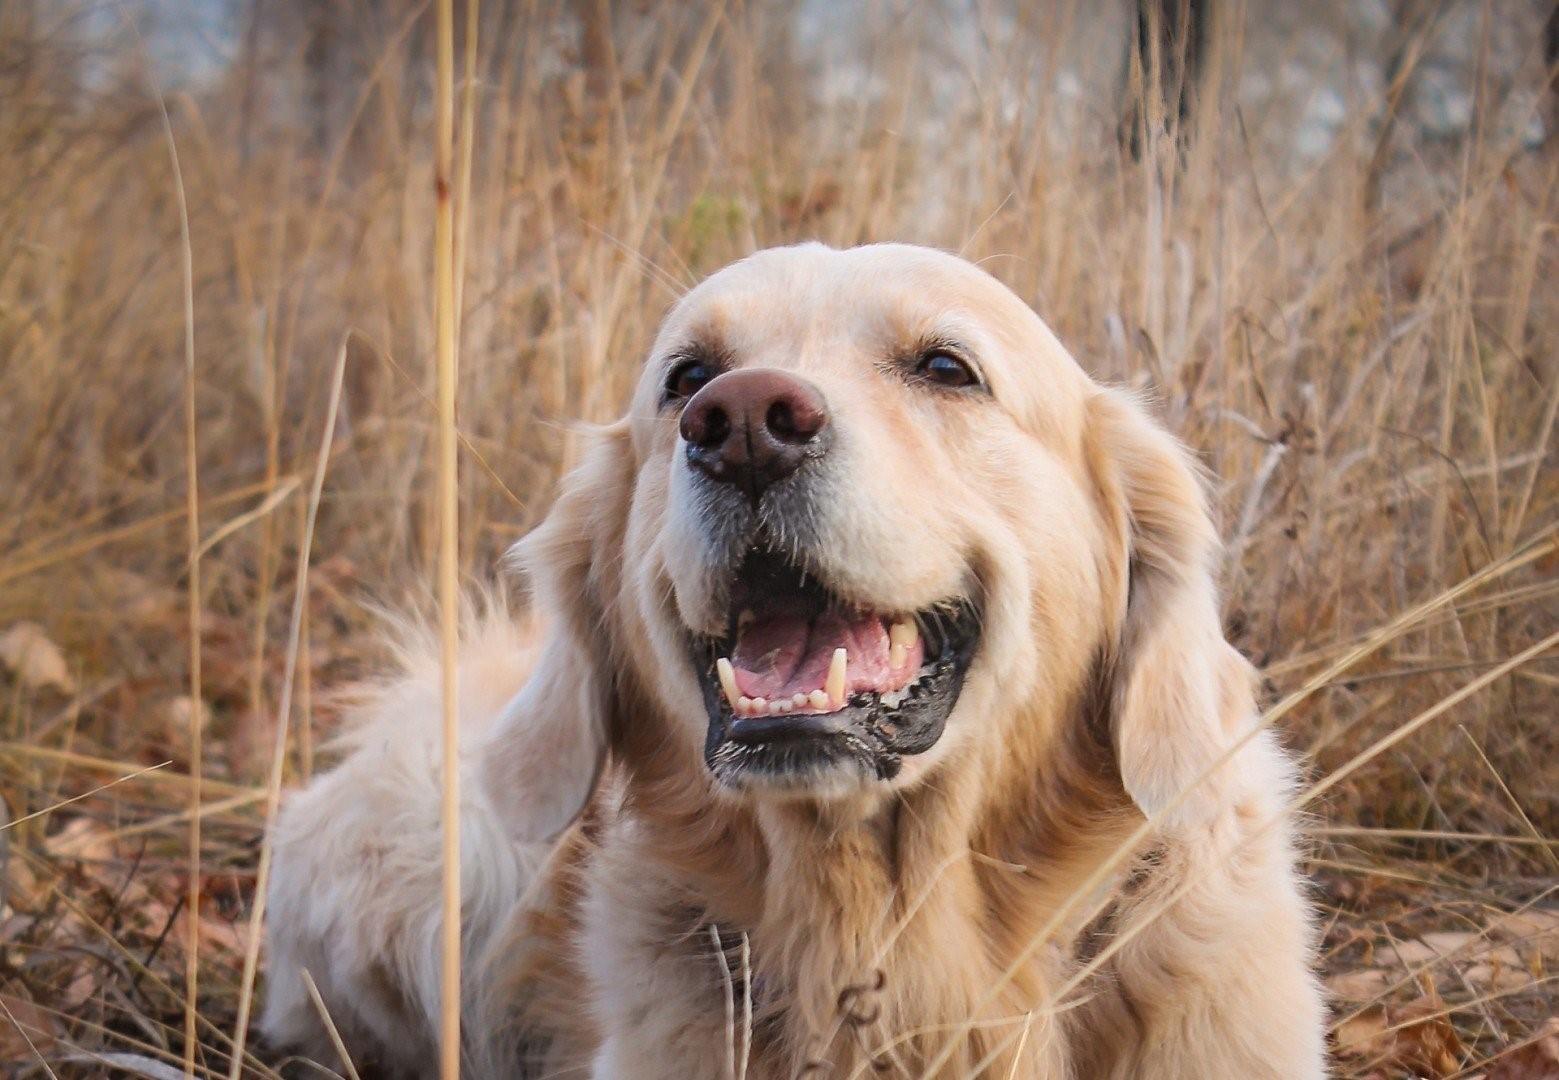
1359, 336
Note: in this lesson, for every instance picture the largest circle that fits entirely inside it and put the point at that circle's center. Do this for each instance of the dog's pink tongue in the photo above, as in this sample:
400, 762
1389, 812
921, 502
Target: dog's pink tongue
779, 656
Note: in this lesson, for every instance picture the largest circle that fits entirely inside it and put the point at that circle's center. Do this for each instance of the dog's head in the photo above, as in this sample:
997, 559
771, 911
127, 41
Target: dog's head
865, 511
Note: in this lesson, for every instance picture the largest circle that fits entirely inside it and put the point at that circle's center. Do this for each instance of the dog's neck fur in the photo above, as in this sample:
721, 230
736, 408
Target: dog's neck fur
935, 884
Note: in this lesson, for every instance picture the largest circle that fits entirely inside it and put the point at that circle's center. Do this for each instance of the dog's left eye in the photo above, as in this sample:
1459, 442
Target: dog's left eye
687, 378
945, 369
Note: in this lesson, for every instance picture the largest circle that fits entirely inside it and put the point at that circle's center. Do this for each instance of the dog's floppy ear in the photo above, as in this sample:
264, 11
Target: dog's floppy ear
1180, 695
545, 752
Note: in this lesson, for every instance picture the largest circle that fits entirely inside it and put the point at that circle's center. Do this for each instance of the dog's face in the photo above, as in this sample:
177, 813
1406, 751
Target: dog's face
861, 509
866, 514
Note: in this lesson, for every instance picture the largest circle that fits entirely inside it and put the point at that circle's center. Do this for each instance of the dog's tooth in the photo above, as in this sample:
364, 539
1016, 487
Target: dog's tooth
743, 705
834, 684
784, 706
760, 705
799, 701
818, 699
777, 706
727, 675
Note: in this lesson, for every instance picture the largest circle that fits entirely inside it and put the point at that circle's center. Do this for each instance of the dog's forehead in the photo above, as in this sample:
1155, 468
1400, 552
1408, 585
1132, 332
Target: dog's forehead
785, 297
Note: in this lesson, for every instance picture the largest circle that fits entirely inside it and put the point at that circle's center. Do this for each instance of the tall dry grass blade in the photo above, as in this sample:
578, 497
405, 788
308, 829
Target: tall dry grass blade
1402, 731
467, 155
445, 358
1534, 835
283, 709
47, 810
55, 555
102, 764
22, 1031
192, 540
330, 1025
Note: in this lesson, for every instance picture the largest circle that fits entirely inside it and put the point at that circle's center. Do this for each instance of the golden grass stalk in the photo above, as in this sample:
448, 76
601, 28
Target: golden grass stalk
111, 765
330, 1025
21, 1029
283, 710
192, 539
446, 359
47, 810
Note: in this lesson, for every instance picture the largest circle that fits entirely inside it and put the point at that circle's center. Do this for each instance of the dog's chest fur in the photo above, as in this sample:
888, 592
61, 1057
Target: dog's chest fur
866, 949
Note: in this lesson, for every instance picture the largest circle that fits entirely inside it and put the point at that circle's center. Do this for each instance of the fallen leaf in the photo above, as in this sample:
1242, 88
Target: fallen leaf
1361, 984
1497, 975
1534, 931
26, 1032
1417, 1038
82, 838
1364, 1035
27, 652
1535, 1061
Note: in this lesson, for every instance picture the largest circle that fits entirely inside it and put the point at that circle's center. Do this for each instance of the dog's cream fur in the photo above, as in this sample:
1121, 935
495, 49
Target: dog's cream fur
899, 927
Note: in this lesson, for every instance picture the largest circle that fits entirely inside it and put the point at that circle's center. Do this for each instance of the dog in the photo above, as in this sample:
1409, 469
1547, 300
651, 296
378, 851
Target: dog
873, 716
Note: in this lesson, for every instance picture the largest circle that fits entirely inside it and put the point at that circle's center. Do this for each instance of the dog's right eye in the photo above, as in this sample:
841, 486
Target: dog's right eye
687, 378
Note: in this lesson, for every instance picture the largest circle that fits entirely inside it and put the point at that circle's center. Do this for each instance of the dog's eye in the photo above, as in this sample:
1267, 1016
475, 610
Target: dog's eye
687, 378
944, 369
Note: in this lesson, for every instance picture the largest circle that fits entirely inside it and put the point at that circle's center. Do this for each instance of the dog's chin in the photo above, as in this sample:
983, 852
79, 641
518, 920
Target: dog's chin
809, 696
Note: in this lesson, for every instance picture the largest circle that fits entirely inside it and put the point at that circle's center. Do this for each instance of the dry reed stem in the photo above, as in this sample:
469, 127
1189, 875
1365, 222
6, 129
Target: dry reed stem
330, 1024
283, 712
446, 318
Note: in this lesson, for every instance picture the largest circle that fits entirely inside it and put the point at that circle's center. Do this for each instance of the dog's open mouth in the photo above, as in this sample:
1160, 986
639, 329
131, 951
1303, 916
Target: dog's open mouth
803, 682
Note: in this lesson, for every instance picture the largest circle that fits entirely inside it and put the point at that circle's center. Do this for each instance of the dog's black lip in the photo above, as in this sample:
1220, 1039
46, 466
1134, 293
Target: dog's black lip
867, 730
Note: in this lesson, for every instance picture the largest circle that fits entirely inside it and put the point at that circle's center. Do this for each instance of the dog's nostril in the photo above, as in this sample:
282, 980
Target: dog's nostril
716, 428
794, 419
780, 420
705, 424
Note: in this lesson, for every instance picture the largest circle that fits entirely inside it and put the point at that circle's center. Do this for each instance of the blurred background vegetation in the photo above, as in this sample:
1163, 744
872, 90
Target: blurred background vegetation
1321, 235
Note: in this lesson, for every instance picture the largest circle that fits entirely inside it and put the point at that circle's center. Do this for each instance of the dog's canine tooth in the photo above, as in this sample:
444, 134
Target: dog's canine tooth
818, 699
902, 636
834, 685
728, 680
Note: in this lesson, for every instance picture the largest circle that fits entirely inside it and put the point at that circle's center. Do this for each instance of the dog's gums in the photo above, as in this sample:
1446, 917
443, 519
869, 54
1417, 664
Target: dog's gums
774, 675
804, 682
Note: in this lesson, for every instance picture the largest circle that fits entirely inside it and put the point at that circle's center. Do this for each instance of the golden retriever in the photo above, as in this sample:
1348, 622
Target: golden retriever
867, 639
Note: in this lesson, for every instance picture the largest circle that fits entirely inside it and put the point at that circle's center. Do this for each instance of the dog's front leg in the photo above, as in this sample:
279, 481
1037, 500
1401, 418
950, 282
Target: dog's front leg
1214, 977
663, 1016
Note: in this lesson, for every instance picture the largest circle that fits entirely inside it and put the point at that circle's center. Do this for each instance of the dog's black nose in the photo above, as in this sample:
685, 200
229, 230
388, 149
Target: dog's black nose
753, 427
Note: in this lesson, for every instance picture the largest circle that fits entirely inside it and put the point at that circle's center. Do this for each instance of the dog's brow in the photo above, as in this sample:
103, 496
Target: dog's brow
701, 347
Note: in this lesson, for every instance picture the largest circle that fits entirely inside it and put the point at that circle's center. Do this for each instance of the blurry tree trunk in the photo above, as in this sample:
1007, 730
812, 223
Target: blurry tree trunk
595, 47
249, 73
1164, 66
1551, 58
1410, 20
319, 68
